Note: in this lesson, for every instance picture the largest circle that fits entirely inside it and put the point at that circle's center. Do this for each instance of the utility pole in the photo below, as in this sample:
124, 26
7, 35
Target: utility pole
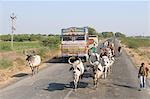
13, 17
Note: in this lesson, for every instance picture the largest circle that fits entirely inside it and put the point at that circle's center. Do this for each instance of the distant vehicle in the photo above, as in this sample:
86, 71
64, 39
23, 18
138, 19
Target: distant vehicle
92, 39
74, 42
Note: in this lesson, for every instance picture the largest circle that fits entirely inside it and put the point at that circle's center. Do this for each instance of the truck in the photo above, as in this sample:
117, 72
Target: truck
74, 42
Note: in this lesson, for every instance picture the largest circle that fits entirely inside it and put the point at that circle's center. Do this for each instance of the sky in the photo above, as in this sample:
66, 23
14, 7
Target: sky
131, 17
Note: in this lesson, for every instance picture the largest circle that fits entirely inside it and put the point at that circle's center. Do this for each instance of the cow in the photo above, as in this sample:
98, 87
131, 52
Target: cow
78, 70
105, 62
97, 71
34, 62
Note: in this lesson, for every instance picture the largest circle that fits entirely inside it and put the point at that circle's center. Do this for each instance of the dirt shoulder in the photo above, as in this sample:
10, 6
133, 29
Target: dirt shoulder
139, 55
19, 67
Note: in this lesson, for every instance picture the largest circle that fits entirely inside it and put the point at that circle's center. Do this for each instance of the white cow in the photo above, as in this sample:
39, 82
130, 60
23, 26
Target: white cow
34, 62
105, 44
106, 65
78, 70
97, 71
110, 56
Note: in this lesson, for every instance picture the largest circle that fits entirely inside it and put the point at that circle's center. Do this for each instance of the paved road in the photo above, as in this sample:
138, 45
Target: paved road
55, 82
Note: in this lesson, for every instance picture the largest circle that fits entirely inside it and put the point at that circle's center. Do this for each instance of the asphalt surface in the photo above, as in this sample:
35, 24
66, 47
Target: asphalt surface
55, 82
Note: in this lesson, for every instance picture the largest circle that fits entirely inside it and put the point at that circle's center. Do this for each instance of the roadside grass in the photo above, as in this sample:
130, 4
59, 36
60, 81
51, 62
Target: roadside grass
138, 49
19, 48
6, 45
5, 63
135, 42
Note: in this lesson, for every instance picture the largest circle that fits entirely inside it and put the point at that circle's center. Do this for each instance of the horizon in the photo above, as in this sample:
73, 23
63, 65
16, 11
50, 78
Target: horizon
131, 18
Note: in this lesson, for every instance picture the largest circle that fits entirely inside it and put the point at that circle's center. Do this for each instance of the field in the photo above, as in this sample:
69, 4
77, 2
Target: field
138, 49
135, 42
13, 61
6, 46
8, 55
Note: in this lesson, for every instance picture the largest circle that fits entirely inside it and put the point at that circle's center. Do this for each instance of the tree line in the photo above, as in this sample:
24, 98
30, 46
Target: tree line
45, 40
92, 31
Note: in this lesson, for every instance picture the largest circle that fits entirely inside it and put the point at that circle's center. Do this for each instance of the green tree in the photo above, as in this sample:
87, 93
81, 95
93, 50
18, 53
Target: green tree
118, 34
5, 37
51, 41
107, 34
92, 31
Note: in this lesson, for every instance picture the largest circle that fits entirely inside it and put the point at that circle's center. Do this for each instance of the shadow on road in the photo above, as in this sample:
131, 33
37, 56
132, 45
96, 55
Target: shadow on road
20, 75
56, 60
87, 75
61, 86
126, 86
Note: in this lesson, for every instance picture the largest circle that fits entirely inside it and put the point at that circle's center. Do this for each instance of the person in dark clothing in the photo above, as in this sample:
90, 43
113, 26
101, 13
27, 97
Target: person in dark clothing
147, 70
142, 76
119, 49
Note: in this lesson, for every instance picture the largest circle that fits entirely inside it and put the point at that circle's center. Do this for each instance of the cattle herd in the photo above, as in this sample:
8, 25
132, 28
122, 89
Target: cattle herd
100, 64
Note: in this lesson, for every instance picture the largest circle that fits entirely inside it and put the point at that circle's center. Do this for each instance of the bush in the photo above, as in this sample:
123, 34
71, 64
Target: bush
5, 37
51, 42
43, 52
133, 45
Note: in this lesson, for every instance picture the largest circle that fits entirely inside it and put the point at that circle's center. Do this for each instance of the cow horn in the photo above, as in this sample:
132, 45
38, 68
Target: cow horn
79, 59
69, 60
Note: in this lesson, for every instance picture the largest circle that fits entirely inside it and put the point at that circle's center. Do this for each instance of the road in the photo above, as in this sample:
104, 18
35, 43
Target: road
55, 82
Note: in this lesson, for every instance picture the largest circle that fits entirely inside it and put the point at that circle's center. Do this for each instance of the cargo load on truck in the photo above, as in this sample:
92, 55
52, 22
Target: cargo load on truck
74, 42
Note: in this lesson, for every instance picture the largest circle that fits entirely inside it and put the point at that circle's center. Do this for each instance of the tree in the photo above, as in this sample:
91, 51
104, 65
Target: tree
118, 34
51, 41
92, 31
107, 34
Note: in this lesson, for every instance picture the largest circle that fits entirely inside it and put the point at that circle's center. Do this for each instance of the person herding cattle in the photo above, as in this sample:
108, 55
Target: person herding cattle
119, 49
147, 70
93, 49
142, 76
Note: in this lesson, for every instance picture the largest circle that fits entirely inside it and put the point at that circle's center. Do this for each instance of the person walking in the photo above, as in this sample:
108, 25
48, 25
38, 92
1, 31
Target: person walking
94, 49
147, 70
142, 76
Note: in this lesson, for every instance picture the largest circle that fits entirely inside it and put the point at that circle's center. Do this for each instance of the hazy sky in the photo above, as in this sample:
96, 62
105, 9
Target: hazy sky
131, 17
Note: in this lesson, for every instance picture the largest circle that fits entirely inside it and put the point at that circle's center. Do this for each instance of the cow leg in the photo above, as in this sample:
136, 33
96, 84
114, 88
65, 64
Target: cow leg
34, 69
105, 72
75, 85
94, 81
76, 79
37, 69
31, 70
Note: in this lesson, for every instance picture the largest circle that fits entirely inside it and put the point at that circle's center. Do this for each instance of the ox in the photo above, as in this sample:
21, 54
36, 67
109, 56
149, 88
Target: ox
78, 70
34, 62
106, 65
97, 71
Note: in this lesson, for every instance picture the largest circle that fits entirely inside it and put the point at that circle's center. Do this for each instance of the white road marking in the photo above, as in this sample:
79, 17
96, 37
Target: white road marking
68, 94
